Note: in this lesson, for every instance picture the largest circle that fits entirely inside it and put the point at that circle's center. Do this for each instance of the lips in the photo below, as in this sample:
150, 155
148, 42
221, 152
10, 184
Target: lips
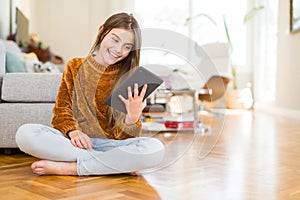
113, 55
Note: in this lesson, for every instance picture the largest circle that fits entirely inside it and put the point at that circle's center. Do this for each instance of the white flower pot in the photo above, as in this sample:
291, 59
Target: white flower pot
239, 99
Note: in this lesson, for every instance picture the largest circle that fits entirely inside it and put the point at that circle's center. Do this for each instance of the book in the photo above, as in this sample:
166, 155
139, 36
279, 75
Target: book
179, 124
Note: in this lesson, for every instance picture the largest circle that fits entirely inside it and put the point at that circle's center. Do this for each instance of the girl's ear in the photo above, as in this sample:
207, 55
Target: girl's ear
100, 30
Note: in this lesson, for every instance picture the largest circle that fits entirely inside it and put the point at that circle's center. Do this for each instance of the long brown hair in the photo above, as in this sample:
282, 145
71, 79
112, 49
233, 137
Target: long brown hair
128, 22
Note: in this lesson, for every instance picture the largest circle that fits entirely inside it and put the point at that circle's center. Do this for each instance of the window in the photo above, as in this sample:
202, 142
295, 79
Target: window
167, 14
254, 45
207, 24
173, 15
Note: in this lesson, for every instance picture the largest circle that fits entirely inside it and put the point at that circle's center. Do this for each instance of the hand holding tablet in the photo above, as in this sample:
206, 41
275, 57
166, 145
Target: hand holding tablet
140, 76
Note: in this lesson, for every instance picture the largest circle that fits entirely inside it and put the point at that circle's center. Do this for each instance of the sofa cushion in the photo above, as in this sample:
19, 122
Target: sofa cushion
14, 63
30, 87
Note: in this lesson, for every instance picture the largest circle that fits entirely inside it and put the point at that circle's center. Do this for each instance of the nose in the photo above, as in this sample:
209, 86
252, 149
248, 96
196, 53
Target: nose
119, 49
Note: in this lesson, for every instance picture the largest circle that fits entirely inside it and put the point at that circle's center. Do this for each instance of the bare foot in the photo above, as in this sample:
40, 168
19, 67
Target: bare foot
52, 167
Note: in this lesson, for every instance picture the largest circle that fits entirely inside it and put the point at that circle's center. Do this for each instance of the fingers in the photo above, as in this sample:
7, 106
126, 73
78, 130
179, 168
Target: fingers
136, 90
81, 140
86, 142
123, 99
143, 92
77, 142
135, 94
80, 143
129, 93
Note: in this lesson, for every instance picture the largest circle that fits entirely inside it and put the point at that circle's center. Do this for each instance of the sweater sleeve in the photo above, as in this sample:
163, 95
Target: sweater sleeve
63, 118
122, 131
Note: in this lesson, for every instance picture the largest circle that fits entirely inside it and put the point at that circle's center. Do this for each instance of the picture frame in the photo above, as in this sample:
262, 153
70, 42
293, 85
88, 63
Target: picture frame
294, 16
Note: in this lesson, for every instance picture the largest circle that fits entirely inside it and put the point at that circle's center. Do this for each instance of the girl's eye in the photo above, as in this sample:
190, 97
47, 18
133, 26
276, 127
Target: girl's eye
128, 47
115, 39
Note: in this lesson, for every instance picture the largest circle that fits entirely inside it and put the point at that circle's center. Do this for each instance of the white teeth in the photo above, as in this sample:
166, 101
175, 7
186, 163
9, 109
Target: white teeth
114, 55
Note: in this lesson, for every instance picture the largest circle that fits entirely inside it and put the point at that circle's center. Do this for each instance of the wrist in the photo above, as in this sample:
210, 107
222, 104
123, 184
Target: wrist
67, 134
129, 121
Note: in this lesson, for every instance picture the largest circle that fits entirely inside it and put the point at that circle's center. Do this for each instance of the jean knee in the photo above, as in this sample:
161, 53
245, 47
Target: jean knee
159, 146
157, 151
155, 144
24, 135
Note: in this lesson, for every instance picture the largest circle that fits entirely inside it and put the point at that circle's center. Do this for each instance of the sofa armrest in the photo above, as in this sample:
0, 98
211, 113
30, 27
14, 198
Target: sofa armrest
2, 59
8, 46
1, 80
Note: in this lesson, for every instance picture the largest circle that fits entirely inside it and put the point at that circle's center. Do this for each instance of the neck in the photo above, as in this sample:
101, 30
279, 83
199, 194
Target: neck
99, 60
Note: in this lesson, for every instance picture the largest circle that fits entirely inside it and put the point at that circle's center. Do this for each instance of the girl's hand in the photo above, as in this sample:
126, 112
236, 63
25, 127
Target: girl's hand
80, 139
134, 104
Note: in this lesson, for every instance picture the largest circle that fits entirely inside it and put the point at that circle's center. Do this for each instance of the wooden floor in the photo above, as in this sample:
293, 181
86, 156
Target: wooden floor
246, 156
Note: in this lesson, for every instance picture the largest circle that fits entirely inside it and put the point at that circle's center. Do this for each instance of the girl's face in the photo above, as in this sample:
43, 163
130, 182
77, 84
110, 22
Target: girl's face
115, 46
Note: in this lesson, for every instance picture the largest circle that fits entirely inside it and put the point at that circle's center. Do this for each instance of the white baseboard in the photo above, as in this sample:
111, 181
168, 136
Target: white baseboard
271, 108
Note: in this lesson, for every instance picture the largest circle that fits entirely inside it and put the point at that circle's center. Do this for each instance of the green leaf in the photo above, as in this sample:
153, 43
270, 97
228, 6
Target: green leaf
227, 33
187, 20
200, 15
234, 76
252, 13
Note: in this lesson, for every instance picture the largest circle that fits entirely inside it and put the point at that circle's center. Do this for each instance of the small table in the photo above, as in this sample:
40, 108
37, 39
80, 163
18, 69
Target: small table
191, 92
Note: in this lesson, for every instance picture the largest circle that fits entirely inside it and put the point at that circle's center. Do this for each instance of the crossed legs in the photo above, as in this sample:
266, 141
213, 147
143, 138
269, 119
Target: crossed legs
59, 156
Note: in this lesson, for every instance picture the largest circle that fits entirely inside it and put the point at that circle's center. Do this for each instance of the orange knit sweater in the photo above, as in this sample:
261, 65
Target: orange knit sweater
80, 101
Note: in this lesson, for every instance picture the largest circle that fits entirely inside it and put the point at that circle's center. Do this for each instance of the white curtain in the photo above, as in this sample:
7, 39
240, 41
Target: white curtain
262, 43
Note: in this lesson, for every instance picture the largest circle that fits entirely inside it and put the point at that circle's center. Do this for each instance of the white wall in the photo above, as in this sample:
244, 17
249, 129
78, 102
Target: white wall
70, 27
288, 73
24, 5
4, 18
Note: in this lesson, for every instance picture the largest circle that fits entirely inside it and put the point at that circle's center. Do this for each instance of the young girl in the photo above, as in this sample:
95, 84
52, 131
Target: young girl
88, 137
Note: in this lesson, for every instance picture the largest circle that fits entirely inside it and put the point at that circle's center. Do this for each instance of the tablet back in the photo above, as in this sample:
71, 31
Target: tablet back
140, 76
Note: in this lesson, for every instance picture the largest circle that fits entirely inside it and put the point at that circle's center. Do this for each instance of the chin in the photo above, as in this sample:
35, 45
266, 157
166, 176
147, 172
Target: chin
112, 62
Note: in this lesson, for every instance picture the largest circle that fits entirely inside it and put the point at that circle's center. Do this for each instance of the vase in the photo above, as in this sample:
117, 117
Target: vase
239, 98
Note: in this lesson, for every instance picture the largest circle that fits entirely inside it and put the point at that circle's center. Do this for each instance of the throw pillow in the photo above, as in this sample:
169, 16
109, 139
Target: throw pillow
31, 60
14, 63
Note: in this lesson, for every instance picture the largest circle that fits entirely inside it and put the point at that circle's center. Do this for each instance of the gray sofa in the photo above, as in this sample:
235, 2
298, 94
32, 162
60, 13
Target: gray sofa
25, 97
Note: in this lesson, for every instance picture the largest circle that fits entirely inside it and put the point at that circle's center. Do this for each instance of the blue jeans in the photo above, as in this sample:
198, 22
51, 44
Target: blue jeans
108, 156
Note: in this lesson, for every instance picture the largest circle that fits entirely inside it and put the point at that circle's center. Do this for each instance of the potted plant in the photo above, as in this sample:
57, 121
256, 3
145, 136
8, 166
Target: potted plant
235, 97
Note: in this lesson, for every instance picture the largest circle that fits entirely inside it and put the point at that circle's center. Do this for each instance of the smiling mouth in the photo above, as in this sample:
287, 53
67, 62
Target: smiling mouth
113, 55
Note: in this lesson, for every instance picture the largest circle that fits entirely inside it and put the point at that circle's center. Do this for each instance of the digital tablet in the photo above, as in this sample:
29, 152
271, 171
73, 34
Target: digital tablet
140, 76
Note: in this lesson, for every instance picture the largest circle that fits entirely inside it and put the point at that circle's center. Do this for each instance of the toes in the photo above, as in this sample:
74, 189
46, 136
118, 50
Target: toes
37, 167
34, 165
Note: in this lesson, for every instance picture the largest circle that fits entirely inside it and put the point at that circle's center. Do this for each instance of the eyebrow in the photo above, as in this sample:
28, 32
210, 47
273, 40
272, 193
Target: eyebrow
114, 34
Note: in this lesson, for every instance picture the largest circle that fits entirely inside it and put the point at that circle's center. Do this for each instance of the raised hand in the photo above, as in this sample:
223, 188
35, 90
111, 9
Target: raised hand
134, 104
